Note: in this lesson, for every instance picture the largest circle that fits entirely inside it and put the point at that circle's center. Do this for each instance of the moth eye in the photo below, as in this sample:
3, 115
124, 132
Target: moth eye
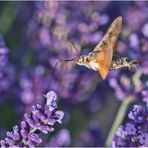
87, 60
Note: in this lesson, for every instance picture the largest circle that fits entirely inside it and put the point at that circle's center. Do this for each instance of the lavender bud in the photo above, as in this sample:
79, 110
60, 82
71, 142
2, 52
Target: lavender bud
35, 138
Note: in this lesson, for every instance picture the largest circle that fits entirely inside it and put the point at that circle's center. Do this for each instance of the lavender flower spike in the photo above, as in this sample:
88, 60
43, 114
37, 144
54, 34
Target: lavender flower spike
41, 119
135, 132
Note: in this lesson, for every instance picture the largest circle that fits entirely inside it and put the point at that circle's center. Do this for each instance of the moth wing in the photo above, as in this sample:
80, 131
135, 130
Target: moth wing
107, 46
103, 60
110, 38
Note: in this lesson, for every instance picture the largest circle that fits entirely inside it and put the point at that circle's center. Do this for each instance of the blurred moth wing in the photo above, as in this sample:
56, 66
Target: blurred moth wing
104, 49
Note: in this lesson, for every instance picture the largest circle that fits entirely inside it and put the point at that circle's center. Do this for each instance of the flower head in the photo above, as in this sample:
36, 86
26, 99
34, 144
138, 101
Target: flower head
135, 132
41, 119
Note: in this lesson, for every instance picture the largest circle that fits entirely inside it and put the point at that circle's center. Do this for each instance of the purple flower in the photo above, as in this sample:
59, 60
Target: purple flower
40, 120
130, 127
135, 132
143, 139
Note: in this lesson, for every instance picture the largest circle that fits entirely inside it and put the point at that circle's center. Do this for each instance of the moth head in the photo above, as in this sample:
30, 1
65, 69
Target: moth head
88, 59
85, 59
81, 60
90, 54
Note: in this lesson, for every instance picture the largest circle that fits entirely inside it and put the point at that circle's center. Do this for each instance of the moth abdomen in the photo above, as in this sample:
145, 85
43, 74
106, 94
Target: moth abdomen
123, 62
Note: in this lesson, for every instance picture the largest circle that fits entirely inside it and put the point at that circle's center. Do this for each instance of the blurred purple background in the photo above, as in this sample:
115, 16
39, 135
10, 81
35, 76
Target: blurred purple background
35, 34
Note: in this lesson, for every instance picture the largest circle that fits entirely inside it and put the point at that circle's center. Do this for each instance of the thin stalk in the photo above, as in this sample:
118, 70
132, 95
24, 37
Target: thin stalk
119, 118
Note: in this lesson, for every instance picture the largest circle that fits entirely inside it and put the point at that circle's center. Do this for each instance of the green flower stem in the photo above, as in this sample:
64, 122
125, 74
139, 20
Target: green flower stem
119, 118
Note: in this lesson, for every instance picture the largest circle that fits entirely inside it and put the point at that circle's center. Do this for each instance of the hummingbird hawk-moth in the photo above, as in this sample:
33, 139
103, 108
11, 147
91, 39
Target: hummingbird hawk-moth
101, 59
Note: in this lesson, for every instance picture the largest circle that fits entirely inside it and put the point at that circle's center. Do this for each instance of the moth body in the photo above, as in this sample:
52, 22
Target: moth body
123, 62
88, 61
101, 59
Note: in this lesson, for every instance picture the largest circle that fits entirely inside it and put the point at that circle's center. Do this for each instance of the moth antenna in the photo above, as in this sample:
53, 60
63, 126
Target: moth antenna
75, 47
73, 59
